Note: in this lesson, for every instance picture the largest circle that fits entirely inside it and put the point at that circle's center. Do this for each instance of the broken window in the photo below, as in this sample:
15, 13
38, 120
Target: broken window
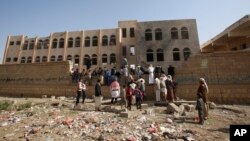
94, 59
95, 41
54, 43
148, 35
150, 55
70, 42
29, 60
174, 33
44, 59
61, 43
78, 42
160, 55
23, 60
186, 53
104, 40
52, 58
176, 54
104, 58
87, 42
112, 58
37, 59
59, 58
158, 34
184, 33
112, 40
124, 32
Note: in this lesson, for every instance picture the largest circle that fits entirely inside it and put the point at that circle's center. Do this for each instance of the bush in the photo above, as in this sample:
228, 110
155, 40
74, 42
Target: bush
4, 105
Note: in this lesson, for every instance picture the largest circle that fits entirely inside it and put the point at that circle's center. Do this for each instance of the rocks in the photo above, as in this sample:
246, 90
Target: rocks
168, 120
212, 105
189, 108
172, 108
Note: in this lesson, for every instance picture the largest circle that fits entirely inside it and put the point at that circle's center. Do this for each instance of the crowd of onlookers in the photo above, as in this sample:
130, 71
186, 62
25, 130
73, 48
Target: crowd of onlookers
133, 90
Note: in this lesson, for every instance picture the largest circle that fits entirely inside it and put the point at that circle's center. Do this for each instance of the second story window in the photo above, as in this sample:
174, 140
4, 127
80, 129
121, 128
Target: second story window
132, 32
104, 40
32, 43
61, 43
54, 43
94, 41
112, 40
25, 45
124, 32
184, 33
148, 35
11, 43
70, 42
87, 42
174, 33
39, 44
78, 42
18, 42
158, 34
46, 44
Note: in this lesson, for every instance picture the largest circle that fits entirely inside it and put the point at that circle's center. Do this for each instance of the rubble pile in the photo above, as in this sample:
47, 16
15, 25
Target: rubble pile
49, 121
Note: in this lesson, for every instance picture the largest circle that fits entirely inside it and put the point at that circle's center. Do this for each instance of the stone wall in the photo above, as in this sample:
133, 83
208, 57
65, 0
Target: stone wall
227, 75
35, 79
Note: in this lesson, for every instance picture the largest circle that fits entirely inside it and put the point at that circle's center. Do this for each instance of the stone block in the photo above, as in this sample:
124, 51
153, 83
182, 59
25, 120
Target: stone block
125, 114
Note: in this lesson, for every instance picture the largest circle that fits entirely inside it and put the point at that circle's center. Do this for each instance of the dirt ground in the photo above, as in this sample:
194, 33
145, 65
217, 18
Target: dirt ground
47, 119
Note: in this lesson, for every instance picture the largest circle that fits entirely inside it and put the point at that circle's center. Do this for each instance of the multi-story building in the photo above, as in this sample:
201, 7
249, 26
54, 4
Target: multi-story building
164, 43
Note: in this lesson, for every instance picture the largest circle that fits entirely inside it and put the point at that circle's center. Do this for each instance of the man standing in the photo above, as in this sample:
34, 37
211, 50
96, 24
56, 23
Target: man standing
151, 75
98, 95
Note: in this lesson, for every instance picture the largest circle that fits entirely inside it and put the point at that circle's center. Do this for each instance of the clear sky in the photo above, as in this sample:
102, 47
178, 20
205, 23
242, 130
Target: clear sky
40, 17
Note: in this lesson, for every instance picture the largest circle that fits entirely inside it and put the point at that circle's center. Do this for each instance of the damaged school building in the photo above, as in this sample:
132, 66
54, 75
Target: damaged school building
223, 61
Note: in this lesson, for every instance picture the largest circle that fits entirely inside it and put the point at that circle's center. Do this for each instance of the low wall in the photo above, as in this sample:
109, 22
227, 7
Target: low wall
227, 75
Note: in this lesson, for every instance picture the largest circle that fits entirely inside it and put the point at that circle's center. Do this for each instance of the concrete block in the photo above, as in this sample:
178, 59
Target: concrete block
125, 114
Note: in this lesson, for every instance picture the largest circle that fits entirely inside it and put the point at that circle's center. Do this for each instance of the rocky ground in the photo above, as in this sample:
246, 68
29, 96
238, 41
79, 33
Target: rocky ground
53, 119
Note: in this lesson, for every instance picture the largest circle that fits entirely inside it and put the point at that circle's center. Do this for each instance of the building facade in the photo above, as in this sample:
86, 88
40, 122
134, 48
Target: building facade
163, 43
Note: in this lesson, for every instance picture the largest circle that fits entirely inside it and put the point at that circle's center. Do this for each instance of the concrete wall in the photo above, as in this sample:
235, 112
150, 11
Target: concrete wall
227, 75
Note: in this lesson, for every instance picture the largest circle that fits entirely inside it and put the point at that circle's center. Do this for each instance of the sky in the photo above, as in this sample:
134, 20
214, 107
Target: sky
41, 17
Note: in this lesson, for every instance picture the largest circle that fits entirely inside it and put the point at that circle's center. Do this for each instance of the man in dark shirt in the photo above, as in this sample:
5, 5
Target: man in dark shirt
171, 71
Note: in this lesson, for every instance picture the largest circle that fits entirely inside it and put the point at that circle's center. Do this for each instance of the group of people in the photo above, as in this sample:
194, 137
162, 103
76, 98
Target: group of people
133, 90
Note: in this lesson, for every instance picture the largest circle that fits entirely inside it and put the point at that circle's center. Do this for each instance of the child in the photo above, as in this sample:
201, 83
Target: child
138, 96
129, 93
200, 107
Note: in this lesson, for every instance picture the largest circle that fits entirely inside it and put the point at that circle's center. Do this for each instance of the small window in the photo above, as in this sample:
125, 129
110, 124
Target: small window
87, 42
69, 57
18, 42
23, 60
46, 44
54, 43
132, 32
44, 59
104, 58
70, 42
77, 42
150, 55
61, 43
148, 35
12, 43
8, 59
29, 60
32, 43
174, 33
186, 53
160, 55
40, 44
94, 59
76, 59
105, 40
132, 50
95, 41
158, 34
52, 58
184, 33
25, 45
59, 58
37, 59
112, 58
112, 40
15, 59
176, 54
124, 32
